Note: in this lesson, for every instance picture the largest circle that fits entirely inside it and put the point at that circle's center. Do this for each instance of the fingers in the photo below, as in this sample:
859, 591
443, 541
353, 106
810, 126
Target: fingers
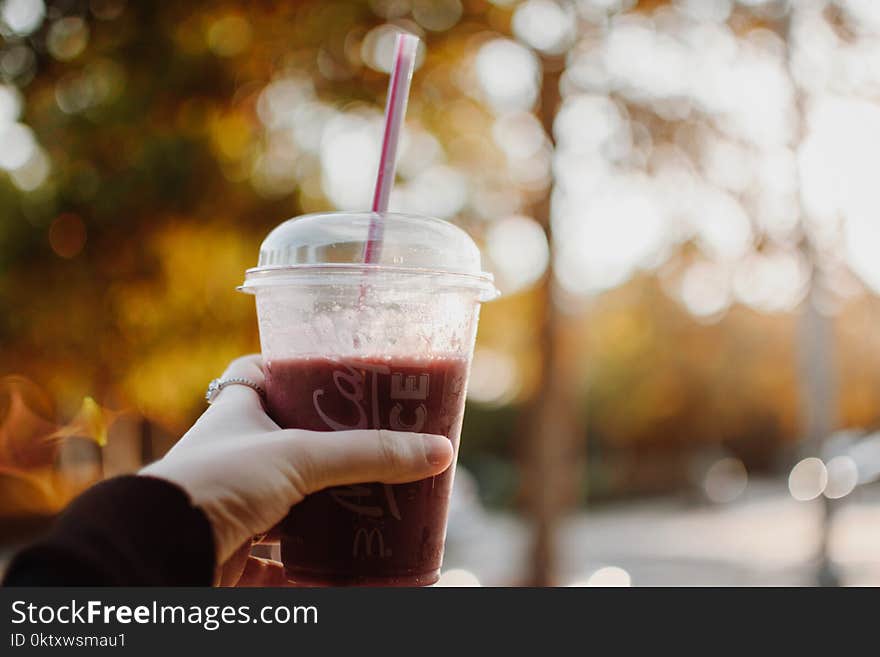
271, 537
238, 409
232, 569
243, 569
322, 459
248, 367
263, 572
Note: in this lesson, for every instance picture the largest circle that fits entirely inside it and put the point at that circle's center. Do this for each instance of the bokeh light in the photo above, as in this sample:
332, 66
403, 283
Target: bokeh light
10, 104
377, 48
772, 282
457, 577
67, 38
18, 145
725, 480
22, 17
518, 252
808, 479
67, 235
391, 8
605, 231
107, 10
705, 289
439, 190
33, 173
230, 35
545, 25
437, 15
607, 576
349, 142
715, 11
519, 135
508, 74
494, 377
843, 476
19, 63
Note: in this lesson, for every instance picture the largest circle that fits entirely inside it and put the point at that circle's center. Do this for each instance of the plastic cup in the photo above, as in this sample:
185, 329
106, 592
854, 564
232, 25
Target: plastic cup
386, 345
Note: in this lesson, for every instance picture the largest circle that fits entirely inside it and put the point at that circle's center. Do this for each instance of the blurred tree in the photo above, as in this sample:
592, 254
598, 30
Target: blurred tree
653, 290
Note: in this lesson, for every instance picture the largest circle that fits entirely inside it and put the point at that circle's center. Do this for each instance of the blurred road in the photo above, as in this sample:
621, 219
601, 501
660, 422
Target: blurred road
764, 538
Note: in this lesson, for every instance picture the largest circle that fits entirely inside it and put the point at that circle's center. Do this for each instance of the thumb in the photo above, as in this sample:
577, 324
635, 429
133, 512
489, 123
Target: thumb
320, 459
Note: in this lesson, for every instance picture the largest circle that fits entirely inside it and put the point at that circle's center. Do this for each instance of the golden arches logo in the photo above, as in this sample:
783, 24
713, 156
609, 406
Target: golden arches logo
369, 543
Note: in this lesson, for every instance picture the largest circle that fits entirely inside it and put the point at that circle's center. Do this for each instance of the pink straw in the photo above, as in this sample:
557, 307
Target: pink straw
395, 109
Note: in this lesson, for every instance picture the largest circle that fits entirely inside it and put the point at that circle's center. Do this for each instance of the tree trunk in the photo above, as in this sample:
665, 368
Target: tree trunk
549, 474
815, 344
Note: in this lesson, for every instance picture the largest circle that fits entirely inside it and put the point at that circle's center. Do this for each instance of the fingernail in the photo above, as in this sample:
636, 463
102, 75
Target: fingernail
436, 449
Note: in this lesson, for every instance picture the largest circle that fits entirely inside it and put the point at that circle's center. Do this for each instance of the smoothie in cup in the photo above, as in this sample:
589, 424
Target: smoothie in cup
380, 345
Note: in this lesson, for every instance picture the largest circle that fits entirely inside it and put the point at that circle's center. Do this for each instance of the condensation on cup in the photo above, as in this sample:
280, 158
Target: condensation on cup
385, 345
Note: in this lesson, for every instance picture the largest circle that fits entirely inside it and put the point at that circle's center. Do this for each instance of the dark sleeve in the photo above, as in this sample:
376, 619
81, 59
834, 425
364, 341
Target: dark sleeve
127, 531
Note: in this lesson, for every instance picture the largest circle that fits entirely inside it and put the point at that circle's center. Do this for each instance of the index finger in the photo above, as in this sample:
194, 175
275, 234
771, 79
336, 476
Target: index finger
248, 367
236, 409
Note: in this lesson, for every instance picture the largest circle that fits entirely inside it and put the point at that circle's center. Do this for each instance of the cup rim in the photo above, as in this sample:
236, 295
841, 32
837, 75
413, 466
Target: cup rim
280, 275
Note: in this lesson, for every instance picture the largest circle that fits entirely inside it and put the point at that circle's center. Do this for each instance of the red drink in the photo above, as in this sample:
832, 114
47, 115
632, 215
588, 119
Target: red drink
396, 358
369, 534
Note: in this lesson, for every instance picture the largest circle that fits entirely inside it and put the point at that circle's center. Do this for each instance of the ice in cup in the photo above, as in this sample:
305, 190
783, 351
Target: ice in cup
386, 345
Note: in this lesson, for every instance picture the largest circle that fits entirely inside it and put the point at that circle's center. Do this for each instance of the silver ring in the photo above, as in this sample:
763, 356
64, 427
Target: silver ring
217, 385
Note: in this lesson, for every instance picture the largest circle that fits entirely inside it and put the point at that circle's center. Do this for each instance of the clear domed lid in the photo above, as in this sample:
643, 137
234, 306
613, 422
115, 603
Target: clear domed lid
334, 243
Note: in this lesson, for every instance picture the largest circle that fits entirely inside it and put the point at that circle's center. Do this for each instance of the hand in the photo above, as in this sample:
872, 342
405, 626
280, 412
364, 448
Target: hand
245, 472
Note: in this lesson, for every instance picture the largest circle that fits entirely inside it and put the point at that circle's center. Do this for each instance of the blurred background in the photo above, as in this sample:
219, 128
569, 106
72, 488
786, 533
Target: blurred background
681, 384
